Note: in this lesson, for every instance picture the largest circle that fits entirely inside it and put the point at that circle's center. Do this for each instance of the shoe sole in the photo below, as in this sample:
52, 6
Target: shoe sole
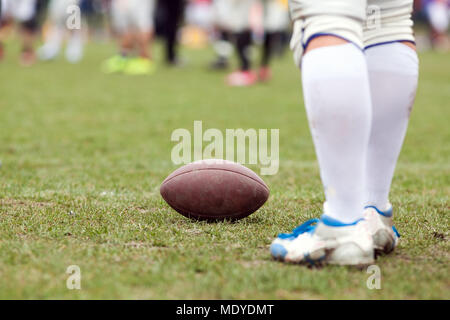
362, 264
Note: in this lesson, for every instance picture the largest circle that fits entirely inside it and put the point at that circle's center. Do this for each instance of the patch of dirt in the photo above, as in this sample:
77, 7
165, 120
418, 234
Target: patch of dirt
138, 245
438, 235
194, 231
432, 254
25, 203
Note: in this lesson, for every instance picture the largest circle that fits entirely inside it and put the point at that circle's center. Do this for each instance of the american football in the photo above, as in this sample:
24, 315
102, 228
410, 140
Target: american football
214, 190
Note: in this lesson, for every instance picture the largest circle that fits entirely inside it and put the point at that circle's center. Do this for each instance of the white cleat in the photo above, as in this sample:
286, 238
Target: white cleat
326, 241
381, 227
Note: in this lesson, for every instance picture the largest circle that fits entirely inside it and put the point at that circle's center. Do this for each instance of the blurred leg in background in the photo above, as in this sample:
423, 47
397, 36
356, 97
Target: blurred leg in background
223, 49
223, 43
2, 23
58, 15
243, 43
240, 26
438, 14
133, 22
170, 16
144, 12
25, 13
276, 22
393, 68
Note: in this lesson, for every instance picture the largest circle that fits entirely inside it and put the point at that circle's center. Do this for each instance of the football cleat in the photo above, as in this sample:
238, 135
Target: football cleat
139, 66
325, 241
264, 74
47, 52
381, 227
27, 58
74, 52
114, 64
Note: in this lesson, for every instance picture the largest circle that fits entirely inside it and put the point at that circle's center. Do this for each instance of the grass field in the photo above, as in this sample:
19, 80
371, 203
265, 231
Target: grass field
83, 155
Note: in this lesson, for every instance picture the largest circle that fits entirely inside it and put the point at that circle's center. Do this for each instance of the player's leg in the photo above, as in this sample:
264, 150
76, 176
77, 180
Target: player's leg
222, 45
4, 20
120, 15
144, 10
75, 42
142, 25
243, 43
438, 15
240, 17
223, 50
56, 27
28, 32
25, 12
276, 21
173, 12
75, 46
393, 73
270, 40
337, 100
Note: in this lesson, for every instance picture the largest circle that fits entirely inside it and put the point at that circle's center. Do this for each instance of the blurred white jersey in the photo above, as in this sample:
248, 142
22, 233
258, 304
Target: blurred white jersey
58, 10
134, 15
276, 15
232, 15
20, 10
439, 15
221, 10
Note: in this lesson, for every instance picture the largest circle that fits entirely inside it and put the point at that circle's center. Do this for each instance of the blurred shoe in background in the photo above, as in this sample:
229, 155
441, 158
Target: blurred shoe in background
241, 78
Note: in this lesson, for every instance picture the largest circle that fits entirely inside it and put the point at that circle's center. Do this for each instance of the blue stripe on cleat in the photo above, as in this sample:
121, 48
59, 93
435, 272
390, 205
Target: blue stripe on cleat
278, 251
387, 213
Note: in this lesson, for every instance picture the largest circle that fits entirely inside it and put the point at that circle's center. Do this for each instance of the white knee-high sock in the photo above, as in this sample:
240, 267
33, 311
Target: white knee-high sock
338, 105
393, 73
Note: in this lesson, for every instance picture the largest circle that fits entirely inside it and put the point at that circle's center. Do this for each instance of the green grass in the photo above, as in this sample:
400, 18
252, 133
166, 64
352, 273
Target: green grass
73, 139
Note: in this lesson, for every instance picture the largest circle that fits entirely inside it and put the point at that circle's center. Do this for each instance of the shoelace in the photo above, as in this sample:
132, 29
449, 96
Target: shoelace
308, 226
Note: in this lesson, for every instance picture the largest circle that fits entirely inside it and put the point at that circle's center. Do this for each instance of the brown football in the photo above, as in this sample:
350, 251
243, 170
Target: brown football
214, 190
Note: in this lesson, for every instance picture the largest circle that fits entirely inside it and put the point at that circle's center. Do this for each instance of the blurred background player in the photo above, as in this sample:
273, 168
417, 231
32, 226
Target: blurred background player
222, 43
239, 24
276, 22
57, 30
25, 13
2, 18
169, 16
133, 22
438, 14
